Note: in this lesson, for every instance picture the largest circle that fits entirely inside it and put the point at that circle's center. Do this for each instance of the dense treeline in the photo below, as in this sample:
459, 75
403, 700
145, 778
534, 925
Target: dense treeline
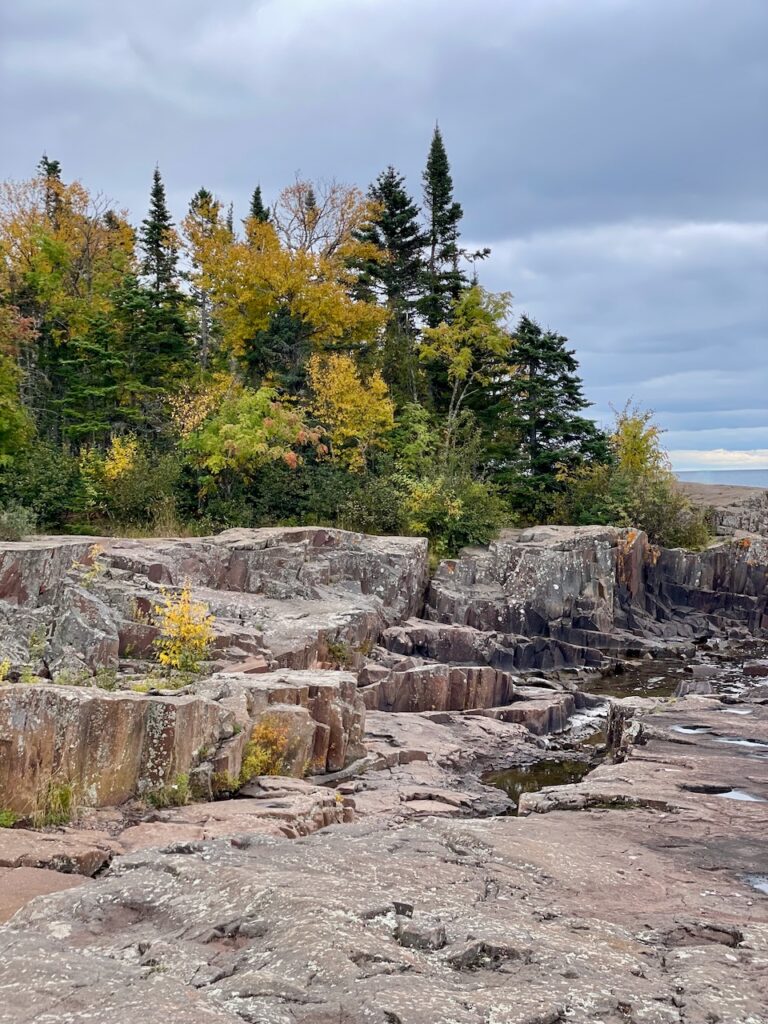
329, 358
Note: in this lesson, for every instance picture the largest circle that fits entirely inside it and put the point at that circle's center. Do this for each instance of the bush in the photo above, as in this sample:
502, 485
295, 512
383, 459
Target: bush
265, 752
16, 521
637, 488
128, 485
375, 506
46, 480
174, 794
653, 502
186, 631
453, 513
55, 804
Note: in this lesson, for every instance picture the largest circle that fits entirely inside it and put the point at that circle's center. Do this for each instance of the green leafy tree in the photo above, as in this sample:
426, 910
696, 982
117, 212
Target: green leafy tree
635, 488
392, 275
249, 430
472, 350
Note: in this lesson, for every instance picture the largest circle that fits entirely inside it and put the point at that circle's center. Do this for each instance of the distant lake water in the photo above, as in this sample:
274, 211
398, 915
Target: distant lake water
736, 477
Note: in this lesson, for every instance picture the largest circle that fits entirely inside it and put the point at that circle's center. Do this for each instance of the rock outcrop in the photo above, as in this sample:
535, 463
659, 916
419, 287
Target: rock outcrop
104, 747
734, 511
108, 747
296, 597
603, 915
586, 591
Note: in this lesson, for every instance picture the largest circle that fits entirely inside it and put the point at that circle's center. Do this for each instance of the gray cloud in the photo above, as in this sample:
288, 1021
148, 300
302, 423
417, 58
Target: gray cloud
610, 151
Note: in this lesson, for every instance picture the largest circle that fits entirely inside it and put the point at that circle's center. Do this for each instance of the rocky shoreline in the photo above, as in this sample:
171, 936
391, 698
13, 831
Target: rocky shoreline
416, 865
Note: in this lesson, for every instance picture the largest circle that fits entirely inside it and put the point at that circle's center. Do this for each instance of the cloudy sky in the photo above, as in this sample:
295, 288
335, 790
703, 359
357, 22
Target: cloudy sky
613, 153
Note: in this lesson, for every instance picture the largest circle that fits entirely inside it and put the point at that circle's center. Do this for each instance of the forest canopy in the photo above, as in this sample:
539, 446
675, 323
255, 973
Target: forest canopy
330, 358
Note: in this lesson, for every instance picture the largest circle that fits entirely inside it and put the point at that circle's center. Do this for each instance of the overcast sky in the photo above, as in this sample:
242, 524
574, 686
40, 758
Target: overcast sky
613, 153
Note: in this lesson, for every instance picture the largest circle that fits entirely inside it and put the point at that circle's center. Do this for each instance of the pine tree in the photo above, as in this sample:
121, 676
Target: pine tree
534, 422
161, 334
395, 280
444, 279
258, 210
50, 171
158, 242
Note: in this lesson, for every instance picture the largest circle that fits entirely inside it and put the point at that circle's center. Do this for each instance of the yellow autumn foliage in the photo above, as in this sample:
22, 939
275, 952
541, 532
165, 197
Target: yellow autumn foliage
186, 630
191, 406
250, 279
357, 414
121, 457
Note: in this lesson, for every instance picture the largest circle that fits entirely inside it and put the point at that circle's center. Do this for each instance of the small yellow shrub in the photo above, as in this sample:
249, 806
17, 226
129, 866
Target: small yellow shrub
186, 631
265, 752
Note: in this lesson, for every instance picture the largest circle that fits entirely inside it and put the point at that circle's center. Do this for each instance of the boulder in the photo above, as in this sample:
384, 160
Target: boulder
104, 747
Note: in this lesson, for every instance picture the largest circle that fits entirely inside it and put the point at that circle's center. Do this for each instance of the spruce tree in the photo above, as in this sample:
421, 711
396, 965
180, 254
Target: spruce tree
50, 171
162, 332
443, 279
395, 280
534, 422
157, 238
258, 210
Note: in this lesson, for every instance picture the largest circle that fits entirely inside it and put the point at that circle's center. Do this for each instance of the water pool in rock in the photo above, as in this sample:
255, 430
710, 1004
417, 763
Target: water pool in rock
647, 679
532, 778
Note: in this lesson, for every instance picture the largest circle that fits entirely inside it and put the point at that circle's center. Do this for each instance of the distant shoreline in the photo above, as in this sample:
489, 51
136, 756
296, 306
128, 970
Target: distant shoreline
742, 479
721, 495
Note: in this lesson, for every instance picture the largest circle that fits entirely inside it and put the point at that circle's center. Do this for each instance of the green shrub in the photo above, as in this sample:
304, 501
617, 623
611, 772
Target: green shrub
8, 819
46, 480
375, 506
453, 513
16, 521
653, 502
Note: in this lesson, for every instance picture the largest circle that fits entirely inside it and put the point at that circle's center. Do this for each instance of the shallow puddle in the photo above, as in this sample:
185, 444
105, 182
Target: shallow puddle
514, 781
736, 711
690, 730
759, 882
650, 679
739, 794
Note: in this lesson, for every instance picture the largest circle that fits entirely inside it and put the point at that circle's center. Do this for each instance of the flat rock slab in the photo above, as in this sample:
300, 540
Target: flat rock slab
20, 885
560, 916
72, 852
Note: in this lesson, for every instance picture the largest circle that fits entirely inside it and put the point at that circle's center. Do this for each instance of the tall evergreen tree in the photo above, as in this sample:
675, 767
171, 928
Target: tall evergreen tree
534, 420
443, 279
257, 209
162, 333
50, 171
395, 280
158, 241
